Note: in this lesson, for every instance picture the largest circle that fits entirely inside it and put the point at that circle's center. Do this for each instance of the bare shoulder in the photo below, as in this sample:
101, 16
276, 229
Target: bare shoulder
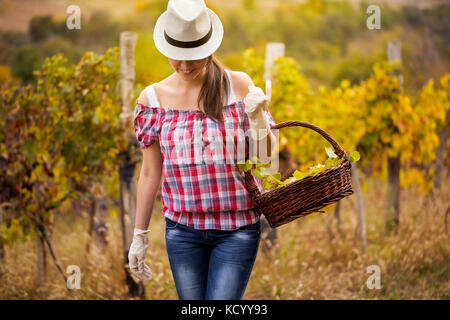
143, 97
163, 85
242, 78
241, 81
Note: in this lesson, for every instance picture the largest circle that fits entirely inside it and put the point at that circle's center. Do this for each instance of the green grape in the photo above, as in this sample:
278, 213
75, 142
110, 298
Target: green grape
290, 180
330, 152
332, 162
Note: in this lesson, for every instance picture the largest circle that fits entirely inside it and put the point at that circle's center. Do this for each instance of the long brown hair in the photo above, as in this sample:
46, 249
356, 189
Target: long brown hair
215, 89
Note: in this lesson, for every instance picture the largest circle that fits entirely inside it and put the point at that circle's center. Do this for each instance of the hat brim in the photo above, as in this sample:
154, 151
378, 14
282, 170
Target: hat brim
196, 53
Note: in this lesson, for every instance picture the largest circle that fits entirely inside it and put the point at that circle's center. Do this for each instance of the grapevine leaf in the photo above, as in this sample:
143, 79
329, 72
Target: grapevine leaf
257, 172
259, 165
241, 166
300, 175
354, 156
277, 176
244, 166
248, 165
266, 184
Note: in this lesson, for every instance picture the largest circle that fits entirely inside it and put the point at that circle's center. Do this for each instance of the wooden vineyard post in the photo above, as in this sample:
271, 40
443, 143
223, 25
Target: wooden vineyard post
127, 170
41, 263
2, 244
335, 217
361, 227
393, 163
441, 169
97, 218
273, 51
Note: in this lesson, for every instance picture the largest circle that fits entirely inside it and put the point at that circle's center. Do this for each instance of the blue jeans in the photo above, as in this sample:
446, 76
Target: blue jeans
211, 264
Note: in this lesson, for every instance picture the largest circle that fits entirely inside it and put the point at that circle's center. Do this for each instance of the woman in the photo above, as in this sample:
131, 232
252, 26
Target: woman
212, 229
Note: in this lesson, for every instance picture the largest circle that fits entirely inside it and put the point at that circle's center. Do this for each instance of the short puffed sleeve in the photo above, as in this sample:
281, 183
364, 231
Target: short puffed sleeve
146, 124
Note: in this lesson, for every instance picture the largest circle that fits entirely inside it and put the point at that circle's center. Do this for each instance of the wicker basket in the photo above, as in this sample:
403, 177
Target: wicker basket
302, 197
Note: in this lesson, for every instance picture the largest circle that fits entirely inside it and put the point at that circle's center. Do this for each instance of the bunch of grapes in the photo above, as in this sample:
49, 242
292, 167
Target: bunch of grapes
270, 181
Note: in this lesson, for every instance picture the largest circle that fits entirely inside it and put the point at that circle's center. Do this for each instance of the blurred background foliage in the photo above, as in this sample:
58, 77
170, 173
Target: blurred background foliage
329, 39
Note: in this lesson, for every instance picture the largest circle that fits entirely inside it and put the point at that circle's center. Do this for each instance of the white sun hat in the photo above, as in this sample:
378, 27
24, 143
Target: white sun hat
187, 30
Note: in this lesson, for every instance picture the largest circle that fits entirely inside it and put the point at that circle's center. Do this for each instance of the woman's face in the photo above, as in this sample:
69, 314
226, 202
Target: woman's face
188, 69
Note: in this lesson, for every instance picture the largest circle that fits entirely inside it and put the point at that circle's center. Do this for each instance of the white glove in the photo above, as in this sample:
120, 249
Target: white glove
136, 255
256, 103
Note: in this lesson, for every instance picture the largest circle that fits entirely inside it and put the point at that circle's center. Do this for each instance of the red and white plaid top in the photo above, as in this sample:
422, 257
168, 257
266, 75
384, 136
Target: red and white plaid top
202, 186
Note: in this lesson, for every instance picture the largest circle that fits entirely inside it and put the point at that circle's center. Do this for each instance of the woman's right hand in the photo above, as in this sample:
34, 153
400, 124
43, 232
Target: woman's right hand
256, 101
136, 255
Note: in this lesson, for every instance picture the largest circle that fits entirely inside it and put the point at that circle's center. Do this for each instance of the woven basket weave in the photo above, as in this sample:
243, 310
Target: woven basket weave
310, 194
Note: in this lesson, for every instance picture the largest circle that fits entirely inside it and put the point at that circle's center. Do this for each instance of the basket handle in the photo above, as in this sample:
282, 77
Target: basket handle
249, 182
337, 148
